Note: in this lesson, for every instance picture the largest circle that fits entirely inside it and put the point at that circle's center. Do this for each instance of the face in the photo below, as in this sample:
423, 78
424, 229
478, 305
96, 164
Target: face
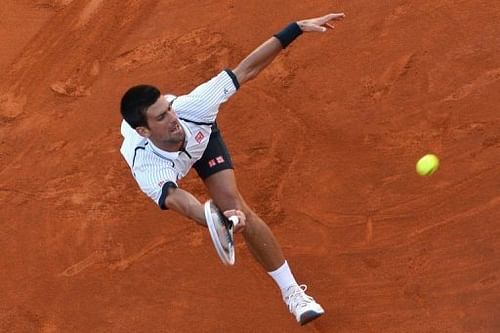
164, 128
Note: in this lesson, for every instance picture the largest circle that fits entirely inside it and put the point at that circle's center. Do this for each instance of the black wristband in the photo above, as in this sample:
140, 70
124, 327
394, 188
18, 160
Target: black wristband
288, 35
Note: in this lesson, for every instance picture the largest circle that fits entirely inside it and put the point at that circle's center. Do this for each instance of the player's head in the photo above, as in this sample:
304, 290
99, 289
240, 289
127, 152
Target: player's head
150, 114
136, 102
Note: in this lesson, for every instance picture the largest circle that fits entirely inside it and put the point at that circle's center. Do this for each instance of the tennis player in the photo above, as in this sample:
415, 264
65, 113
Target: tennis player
166, 135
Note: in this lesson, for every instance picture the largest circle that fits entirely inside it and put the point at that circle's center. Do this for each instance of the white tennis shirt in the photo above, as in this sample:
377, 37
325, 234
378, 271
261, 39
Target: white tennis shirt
154, 168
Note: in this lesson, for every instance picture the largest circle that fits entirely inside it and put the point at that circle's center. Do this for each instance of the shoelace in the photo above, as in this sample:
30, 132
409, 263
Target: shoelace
297, 297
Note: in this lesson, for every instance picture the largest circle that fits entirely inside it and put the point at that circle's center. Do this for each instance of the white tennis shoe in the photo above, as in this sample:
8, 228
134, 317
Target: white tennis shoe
301, 305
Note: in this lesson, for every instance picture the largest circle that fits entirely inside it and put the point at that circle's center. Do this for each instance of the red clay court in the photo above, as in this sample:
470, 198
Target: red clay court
324, 142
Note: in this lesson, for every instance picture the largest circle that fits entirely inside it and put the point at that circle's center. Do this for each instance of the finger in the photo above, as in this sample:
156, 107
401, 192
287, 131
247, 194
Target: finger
329, 25
337, 16
231, 212
333, 16
322, 20
315, 27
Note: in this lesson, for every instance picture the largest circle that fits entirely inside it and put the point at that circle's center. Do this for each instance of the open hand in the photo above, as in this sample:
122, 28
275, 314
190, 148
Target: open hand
320, 24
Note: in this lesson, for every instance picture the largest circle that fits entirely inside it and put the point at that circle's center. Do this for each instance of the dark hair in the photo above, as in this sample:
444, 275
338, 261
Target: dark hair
135, 103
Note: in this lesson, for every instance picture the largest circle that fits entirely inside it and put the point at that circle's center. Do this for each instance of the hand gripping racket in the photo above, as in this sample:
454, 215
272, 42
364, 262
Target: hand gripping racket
221, 231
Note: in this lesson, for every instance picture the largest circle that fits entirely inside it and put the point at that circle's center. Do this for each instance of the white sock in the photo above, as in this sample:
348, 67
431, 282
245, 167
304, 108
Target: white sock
283, 277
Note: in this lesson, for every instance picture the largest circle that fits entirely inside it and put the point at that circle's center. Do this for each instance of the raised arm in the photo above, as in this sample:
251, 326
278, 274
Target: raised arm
263, 55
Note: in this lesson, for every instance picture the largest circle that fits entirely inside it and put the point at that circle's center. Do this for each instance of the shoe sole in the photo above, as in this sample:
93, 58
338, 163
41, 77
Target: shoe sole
309, 316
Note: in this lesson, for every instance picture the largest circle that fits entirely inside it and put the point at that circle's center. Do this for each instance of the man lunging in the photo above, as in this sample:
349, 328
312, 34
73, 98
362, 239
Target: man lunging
165, 136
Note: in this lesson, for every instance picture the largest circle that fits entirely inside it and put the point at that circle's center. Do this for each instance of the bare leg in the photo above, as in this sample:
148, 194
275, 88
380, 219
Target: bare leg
258, 237
264, 247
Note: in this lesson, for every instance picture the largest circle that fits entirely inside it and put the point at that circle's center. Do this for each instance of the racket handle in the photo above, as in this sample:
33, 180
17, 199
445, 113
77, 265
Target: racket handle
234, 219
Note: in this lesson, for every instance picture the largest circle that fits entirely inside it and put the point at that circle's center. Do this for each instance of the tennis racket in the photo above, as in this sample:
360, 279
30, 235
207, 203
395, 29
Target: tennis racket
221, 231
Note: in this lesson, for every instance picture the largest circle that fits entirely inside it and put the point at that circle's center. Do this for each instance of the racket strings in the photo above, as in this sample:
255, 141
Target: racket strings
226, 227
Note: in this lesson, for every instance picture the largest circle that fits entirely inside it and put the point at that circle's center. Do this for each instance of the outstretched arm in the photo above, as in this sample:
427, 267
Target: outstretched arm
186, 204
263, 55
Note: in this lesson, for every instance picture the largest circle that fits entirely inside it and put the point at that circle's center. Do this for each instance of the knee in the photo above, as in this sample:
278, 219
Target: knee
233, 200
250, 214
229, 200
252, 219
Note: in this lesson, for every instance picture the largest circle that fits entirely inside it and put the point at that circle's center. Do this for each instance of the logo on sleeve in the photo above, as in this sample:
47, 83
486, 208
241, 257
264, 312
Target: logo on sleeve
199, 137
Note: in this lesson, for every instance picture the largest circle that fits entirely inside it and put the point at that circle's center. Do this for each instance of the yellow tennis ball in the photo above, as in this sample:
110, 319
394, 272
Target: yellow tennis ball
427, 165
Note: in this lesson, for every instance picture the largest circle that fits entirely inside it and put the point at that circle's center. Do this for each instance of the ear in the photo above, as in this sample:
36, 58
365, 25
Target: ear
143, 131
